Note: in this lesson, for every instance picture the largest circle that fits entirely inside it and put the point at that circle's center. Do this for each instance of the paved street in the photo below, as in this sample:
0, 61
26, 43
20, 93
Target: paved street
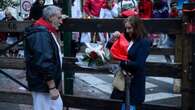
157, 88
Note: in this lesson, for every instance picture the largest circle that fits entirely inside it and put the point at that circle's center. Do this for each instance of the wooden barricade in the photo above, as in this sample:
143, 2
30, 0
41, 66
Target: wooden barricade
171, 69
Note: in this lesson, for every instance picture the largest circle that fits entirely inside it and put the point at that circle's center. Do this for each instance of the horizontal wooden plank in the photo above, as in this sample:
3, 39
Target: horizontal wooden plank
14, 26
154, 51
160, 107
165, 25
68, 100
152, 69
88, 103
12, 63
162, 51
3, 46
163, 69
16, 97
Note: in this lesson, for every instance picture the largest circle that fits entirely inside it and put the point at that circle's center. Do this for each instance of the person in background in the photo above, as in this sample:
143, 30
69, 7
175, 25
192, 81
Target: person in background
44, 60
145, 8
2, 14
180, 5
92, 8
36, 10
10, 37
128, 8
75, 13
59, 3
160, 9
108, 11
174, 11
138, 51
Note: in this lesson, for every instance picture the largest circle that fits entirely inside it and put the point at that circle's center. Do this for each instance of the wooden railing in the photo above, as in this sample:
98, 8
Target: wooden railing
170, 69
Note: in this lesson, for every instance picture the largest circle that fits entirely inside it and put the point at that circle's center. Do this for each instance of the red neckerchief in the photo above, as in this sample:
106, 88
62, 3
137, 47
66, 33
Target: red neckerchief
42, 22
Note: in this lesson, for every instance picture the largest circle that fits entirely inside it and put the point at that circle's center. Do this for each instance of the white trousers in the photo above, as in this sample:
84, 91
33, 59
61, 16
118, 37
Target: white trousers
43, 101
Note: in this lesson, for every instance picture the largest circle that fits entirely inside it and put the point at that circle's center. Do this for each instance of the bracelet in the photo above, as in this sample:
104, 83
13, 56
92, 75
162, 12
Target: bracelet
52, 88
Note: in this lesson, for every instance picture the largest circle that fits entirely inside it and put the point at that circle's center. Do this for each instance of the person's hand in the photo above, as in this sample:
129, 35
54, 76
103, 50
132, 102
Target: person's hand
123, 64
114, 37
54, 93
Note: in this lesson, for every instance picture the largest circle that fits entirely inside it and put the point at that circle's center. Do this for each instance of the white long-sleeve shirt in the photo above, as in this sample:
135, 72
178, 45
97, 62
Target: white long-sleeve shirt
109, 14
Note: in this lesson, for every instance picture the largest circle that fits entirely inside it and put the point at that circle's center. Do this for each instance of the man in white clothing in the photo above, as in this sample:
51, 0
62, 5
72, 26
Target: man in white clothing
44, 60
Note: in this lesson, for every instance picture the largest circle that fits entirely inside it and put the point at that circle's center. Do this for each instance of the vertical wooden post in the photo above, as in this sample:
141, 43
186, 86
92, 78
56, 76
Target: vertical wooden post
127, 92
186, 83
178, 59
192, 35
193, 70
67, 37
188, 61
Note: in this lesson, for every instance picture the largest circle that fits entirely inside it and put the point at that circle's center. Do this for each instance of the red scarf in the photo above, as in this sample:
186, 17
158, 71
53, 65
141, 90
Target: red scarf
42, 22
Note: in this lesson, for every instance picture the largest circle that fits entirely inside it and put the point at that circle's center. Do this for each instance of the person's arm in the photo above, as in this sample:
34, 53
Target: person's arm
114, 37
139, 62
115, 11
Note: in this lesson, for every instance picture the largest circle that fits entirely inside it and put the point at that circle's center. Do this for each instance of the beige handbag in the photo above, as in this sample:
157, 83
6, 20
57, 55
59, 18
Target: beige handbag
119, 81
